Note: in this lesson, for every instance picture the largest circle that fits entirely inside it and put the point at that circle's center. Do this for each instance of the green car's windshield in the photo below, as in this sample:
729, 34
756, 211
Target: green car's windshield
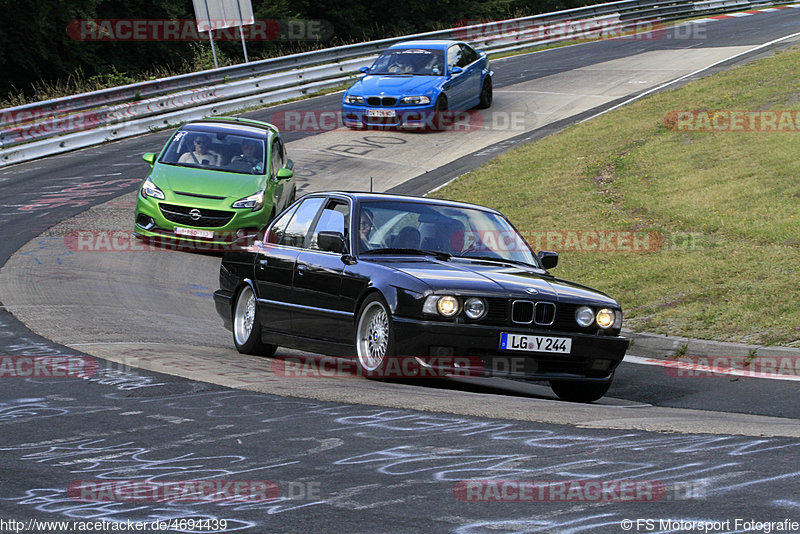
203, 150
453, 230
412, 61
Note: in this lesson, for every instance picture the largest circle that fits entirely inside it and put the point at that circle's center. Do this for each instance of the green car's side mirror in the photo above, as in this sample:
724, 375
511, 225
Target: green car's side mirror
149, 158
284, 174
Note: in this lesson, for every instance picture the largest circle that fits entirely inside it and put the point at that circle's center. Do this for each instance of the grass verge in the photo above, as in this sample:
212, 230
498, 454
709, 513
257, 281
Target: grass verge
725, 205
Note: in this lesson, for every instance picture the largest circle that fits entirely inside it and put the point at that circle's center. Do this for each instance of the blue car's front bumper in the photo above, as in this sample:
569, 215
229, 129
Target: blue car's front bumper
412, 117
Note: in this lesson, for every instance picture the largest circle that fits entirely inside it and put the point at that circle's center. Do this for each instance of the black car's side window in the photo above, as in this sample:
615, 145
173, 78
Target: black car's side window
277, 231
334, 218
297, 229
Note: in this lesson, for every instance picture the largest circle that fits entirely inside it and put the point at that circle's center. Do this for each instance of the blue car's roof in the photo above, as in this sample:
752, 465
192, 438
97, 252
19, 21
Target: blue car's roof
432, 44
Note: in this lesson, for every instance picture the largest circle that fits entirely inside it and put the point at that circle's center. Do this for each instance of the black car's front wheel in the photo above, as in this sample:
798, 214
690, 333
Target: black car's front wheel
247, 326
580, 390
374, 337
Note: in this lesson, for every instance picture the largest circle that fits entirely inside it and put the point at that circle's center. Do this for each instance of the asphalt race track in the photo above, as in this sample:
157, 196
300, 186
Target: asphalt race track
172, 400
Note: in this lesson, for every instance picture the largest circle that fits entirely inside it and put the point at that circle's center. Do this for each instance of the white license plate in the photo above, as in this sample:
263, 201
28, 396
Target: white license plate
560, 345
381, 113
191, 232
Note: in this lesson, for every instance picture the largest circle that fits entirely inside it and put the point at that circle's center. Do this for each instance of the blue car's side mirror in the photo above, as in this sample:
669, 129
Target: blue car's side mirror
456, 70
364, 69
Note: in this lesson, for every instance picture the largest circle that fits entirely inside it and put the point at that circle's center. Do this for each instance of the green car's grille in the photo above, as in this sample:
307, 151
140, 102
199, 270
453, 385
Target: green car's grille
189, 216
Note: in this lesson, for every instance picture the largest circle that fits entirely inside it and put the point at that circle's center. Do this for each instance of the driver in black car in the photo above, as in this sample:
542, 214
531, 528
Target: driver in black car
365, 228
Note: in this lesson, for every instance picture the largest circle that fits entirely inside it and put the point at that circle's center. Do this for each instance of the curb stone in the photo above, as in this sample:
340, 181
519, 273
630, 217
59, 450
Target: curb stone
664, 346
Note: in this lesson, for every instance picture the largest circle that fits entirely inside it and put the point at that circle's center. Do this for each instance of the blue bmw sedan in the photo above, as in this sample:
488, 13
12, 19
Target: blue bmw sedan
412, 84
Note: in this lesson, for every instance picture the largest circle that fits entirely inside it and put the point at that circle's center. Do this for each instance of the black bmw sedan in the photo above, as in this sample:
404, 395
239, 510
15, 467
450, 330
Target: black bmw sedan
448, 287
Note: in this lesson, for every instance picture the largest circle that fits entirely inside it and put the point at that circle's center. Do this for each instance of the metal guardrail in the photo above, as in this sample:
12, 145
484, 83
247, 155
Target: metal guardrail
43, 128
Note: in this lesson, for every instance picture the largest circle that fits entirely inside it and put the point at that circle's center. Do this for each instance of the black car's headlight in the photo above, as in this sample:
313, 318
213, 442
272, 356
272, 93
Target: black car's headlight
584, 316
149, 189
353, 99
444, 305
254, 201
605, 318
475, 308
415, 100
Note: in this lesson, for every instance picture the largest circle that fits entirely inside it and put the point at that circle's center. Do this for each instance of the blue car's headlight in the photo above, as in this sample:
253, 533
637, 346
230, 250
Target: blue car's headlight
149, 189
415, 100
353, 99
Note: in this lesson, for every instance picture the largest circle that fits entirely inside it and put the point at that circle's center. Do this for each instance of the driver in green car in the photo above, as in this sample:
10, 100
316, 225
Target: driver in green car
201, 155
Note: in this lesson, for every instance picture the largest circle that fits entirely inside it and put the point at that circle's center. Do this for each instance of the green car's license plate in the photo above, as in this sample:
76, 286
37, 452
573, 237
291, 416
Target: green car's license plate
191, 232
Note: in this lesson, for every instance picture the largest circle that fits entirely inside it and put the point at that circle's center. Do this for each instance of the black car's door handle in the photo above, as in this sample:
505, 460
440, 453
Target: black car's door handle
263, 263
301, 268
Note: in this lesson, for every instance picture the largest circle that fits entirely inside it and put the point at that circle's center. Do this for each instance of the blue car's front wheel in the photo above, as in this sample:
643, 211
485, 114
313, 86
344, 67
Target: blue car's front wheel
440, 116
486, 93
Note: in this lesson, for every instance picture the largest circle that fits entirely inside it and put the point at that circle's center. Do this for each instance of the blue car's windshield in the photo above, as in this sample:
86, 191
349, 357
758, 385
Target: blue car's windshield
457, 231
411, 61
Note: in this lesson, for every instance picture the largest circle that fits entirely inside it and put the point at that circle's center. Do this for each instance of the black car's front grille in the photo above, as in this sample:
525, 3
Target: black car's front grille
203, 218
522, 312
527, 312
544, 313
387, 101
497, 312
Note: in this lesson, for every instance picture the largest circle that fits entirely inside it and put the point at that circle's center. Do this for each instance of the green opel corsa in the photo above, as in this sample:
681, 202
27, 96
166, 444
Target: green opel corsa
217, 182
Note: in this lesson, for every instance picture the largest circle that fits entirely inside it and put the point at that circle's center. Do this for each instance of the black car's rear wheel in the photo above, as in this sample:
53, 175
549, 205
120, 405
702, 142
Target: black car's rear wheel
486, 93
580, 390
247, 325
374, 337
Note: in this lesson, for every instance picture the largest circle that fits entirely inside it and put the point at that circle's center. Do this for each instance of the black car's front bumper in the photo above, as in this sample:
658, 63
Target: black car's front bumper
474, 350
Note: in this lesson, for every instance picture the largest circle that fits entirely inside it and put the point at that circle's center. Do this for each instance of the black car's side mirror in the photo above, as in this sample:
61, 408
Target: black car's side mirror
331, 242
547, 258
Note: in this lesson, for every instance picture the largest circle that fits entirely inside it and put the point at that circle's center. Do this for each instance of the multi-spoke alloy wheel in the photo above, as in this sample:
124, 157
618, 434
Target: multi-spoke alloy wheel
246, 325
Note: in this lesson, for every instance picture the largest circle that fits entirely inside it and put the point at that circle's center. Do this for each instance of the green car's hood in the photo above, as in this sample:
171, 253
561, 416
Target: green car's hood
204, 182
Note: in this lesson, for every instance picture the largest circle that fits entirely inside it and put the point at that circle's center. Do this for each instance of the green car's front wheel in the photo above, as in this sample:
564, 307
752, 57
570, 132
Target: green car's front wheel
247, 327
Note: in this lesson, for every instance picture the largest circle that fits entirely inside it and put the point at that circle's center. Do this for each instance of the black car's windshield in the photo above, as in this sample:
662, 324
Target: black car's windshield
439, 228
214, 151
412, 61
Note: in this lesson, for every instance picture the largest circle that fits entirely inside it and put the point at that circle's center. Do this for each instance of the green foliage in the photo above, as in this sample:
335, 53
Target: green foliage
38, 53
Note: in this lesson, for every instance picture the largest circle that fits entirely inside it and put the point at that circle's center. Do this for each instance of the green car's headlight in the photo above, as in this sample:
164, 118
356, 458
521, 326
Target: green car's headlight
149, 189
254, 201
415, 100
